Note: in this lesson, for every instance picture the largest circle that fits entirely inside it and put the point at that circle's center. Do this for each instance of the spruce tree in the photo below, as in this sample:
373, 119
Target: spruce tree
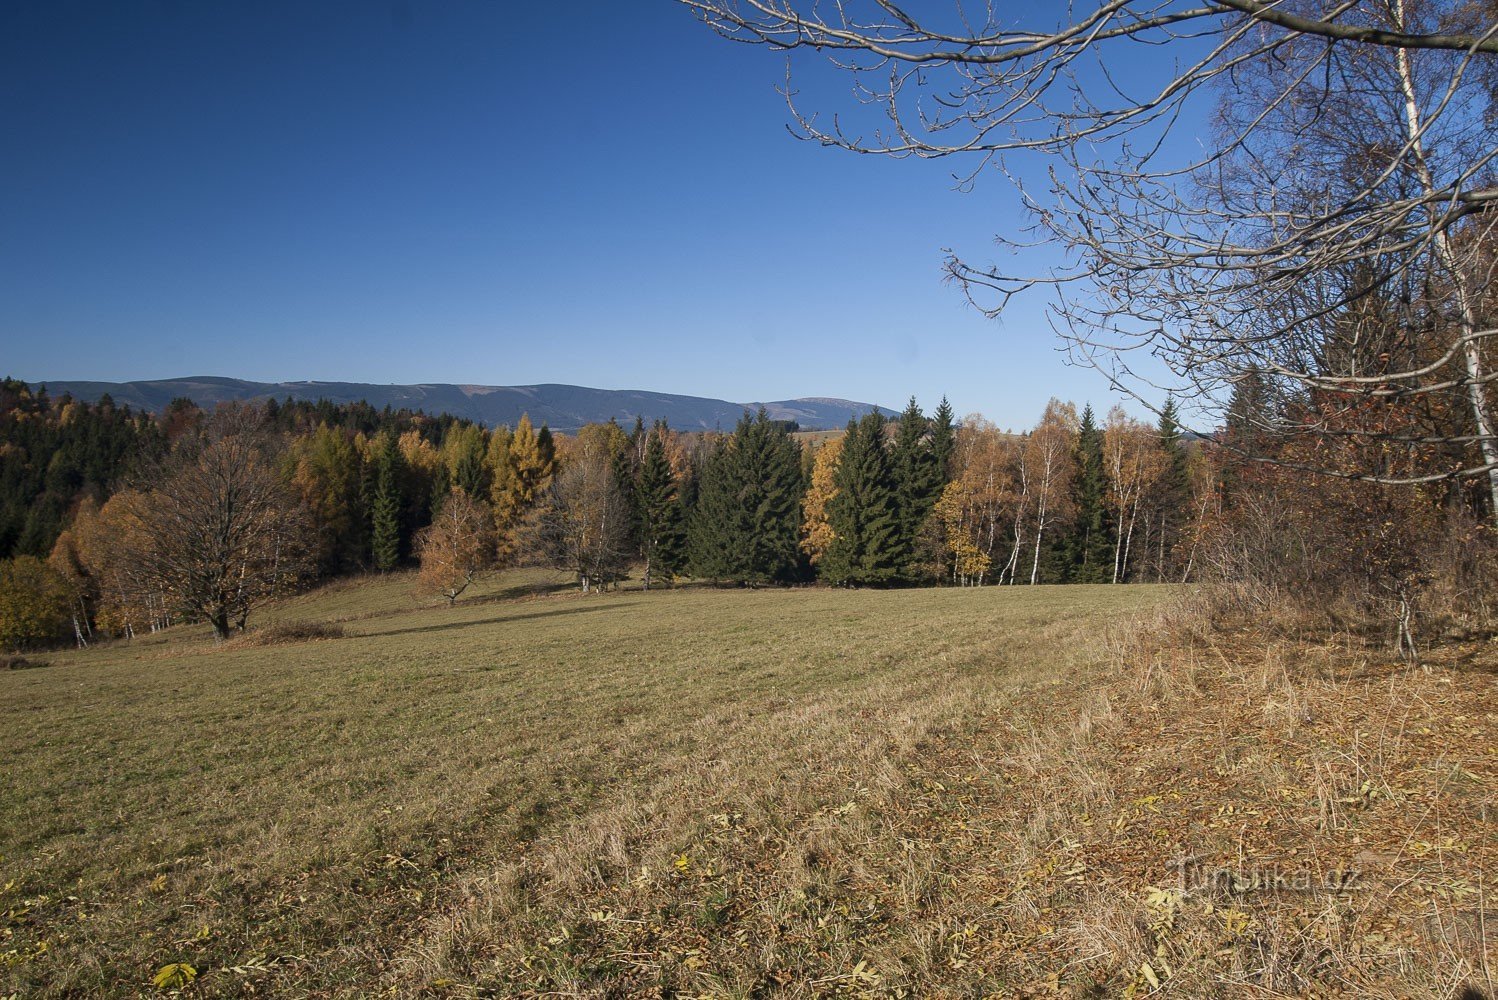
546, 450
868, 546
1173, 493
441, 486
746, 518
661, 540
1091, 542
626, 480
918, 482
385, 507
943, 443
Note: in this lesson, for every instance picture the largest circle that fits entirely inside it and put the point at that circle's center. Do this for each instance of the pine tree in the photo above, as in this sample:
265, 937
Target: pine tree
867, 542
385, 506
661, 539
747, 513
943, 443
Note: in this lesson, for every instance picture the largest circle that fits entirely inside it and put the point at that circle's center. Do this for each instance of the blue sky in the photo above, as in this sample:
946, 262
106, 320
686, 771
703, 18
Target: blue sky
596, 193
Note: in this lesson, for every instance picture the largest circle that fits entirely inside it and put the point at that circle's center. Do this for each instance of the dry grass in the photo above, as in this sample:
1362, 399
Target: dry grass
736, 794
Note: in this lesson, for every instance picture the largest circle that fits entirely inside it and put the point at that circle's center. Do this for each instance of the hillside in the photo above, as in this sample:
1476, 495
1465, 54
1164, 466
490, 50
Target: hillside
960, 792
562, 407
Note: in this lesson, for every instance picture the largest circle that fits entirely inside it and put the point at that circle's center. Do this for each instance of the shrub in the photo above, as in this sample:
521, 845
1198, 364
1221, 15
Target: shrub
33, 603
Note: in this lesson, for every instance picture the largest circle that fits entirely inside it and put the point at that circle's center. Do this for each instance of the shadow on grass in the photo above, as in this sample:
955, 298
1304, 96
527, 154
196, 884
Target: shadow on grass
521, 591
496, 619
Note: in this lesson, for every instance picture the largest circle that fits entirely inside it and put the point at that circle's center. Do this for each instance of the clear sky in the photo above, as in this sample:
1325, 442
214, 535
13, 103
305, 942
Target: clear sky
475, 191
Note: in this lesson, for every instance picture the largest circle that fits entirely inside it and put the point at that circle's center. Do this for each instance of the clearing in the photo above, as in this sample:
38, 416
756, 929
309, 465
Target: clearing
1013, 791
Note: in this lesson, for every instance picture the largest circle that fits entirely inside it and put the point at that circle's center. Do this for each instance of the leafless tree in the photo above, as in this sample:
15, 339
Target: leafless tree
1352, 159
222, 530
581, 522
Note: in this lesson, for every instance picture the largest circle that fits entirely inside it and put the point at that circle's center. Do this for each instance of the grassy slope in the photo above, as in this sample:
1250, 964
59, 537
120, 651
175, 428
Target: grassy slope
319, 800
740, 793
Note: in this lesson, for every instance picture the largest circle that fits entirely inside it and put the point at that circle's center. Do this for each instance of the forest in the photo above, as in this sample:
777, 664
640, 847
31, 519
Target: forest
99, 499
116, 522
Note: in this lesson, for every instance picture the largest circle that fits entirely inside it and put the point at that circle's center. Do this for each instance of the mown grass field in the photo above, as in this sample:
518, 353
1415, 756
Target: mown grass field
736, 793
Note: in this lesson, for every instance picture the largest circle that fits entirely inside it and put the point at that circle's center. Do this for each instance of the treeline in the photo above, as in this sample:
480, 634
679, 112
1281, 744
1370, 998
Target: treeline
57, 452
197, 516
1336, 512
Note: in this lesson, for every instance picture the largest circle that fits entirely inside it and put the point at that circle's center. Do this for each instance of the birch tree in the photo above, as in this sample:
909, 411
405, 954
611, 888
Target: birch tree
1351, 154
1049, 463
1134, 463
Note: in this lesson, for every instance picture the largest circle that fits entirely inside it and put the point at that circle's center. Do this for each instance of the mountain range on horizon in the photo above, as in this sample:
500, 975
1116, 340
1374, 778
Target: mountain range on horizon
561, 407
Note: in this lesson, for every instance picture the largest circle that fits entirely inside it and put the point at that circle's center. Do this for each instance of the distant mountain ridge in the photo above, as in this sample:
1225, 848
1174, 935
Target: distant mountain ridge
562, 407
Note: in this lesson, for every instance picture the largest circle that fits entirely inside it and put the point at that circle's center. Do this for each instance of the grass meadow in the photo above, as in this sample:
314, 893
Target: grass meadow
740, 793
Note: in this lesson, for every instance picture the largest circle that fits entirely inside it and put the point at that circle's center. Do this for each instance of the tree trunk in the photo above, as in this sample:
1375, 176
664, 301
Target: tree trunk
1118, 546
1477, 399
1040, 513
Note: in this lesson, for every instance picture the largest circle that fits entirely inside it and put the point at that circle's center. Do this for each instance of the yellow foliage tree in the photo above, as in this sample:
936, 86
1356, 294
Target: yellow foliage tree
816, 529
521, 473
456, 546
1134, 462
34, 600
959, 509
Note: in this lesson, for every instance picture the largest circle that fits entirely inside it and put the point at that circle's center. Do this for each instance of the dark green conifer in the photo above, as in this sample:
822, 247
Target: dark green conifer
1091, 539
661, 540
918, 482
626, 472
1173, 494
746, 521
868, 544
943, 442
385, 508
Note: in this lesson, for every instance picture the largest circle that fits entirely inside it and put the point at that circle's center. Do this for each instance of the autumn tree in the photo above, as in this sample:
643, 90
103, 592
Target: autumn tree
580, 523
1352, 155
34, 602
523, 467
423, 480
113, 545
1048, 464
1134, 463
66, 560
465, 456
327, 471
981, 509
225, 532
456, 546
816, 527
